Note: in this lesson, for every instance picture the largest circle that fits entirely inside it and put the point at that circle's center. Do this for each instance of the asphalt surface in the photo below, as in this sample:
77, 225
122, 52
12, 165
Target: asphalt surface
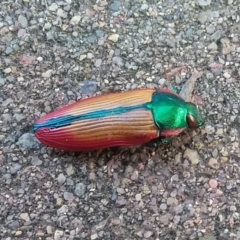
54, 53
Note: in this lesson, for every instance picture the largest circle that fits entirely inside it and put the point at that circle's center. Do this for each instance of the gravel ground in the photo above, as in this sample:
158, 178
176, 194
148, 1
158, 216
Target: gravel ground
53, 53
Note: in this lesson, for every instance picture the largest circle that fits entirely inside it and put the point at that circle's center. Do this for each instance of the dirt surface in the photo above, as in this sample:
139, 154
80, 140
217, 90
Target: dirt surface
56, 52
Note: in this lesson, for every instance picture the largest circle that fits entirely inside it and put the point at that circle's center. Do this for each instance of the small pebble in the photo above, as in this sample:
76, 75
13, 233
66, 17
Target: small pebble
118, 61
213, 46
68, 196
61, 178
88, 87
163, 206
14, 168
165, 219
204, 3
172, 201
100, 33
178, 209
92, 38
61, 13
138, 197
98, 63
213, 183
18, 233
216, 35
213, 163
121, 201
226, 75
90, 55
21, 33
53, 7
2, 81
47, 74
7, 70
82, 57
75, 20
49, 229
19, 117
36, 161
58, 234
23, 21
148, 234
120, 190
70, 170
94, 236
25, 217
113, 37
80, 189
192, 155
62, 210
8, 50
115, 6
28, 141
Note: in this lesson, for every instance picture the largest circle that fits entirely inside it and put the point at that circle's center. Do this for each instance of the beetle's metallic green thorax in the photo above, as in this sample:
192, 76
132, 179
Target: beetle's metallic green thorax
195, 112
170, 111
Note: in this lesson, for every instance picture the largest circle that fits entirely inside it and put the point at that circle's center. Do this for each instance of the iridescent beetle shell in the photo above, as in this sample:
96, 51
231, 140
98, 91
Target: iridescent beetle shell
118, 119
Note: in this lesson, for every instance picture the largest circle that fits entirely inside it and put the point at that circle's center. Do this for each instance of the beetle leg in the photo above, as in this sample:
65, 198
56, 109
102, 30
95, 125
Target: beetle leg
165, 140
112, 164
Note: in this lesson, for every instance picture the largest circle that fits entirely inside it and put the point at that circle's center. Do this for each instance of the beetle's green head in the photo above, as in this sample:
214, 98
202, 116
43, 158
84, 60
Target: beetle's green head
194, 116
172, 114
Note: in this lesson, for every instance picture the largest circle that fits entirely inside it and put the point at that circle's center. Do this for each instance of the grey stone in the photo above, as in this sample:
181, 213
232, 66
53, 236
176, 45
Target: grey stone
36, 161
28, 141
92, 38
212, 46
16, 47
14, 168
80, 189
165, 218
88, 87
192, 155
204, 3
7, 102
98, 63
61, 178
62, 210
210, 29
148, 234
9, 20
2, 81
118, 61
69, 181
53, 7
61, 13
8, 50
100, 33
75, 20
115, 6
14, 225
21, 32
178, 209
50, 35
25, 217
68, 196
203, 17
217, 35
47, 74
23, 21
19, 117
7, 176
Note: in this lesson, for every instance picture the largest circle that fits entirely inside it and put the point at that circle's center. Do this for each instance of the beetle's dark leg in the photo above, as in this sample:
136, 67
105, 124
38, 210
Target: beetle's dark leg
165, 140
174, 89
114, 162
